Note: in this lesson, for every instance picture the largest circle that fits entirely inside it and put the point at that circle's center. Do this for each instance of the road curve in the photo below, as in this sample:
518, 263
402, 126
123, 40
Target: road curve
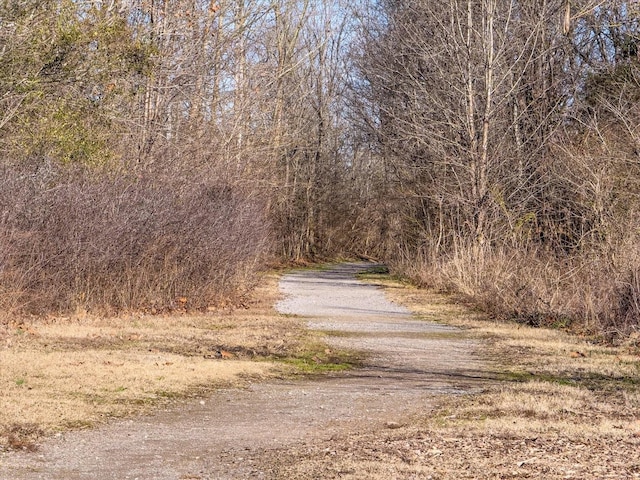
232, 434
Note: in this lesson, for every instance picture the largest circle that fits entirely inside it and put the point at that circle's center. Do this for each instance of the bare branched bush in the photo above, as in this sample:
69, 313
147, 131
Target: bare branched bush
587, 294
75, 240
513, 166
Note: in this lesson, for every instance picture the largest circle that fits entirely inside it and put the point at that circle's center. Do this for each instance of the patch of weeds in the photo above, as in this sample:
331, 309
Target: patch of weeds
79, 424
90, 398
320, 362
598, 381
303, 266
317, 358
169, 395
20, 381
443, 417
21, 436
218, 327
520, 377
634, 363
142, 402
562, 323
138, 402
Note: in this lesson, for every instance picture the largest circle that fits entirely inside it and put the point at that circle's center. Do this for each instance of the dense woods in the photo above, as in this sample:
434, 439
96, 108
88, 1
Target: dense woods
510, 130
160, 152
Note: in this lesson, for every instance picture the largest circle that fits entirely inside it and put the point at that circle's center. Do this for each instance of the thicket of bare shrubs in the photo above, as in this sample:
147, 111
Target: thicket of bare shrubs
74, 239
486, 147
589, 296
154, 152
508, 135
216, 125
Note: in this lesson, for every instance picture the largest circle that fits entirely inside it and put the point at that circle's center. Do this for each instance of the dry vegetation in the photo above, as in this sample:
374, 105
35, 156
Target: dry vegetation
79, 371
157, 151
586, 294
73, 239
156, 155
505, 143
557, 406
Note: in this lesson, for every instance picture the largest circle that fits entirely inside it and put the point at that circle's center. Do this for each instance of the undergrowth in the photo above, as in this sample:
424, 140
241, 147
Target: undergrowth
74, 239
589, 294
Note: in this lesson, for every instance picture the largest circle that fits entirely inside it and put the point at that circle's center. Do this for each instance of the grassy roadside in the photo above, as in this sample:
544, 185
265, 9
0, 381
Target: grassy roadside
69, 373
562, 407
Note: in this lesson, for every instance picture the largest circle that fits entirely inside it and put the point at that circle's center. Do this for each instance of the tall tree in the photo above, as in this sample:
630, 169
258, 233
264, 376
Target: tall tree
452, 88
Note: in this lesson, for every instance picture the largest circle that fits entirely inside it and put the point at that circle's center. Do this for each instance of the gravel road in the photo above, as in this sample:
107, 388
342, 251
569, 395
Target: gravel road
232, 434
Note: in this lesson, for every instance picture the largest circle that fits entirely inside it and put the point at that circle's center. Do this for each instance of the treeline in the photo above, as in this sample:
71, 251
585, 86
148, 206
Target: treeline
507, 140
156, 153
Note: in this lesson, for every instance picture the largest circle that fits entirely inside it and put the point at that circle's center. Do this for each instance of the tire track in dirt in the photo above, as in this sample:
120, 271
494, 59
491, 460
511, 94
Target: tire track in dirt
233, 433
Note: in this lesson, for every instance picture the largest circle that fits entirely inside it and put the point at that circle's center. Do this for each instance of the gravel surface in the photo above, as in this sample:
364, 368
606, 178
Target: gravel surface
231, 434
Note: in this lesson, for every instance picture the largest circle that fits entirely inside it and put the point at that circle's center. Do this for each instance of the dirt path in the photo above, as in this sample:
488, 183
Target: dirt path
232, 434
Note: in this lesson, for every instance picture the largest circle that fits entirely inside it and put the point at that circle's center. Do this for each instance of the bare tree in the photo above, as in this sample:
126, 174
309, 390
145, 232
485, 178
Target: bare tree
456, 108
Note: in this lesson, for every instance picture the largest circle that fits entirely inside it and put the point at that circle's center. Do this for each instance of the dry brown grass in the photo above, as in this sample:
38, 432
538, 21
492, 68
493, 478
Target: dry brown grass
588, 292
77, 372
556, 406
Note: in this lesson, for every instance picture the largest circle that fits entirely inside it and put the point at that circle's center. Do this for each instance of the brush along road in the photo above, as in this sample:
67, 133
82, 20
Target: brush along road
236, 433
